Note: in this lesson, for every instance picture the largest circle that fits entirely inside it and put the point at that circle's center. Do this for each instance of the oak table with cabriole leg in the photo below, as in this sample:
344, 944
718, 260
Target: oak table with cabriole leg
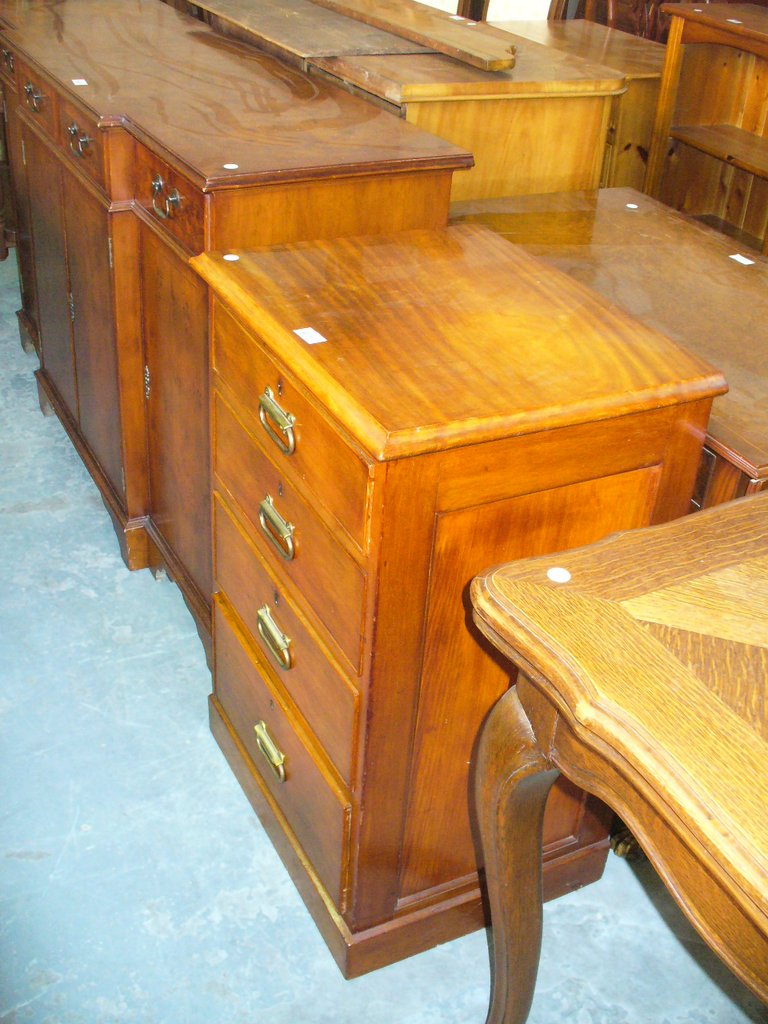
643, 663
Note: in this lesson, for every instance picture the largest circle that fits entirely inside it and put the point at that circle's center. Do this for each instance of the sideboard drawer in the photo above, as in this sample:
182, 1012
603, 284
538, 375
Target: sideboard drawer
170, 199
293, 433
323, 696
37, 98
319, 567
83, 140
318, 815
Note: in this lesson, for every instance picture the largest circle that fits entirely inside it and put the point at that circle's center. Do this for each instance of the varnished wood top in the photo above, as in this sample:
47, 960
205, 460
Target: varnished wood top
670, 272
471, 42
205, 100
741, 20
538, 71
302, 29
632, 56
442, 338
655, 651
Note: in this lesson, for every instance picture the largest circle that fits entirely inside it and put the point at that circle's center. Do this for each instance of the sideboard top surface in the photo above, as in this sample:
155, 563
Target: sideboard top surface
674, 274
211, 99
748, 20
435, 339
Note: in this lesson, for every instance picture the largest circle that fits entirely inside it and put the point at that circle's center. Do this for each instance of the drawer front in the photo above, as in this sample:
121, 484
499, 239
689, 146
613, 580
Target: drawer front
318, 816
319, 567
292, 432
83, 141
323, 696
171, 200
7, 62
37, 98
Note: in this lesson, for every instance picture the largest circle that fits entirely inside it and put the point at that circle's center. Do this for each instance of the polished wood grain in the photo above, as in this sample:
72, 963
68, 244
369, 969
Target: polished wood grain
644, 680
709, 154
469, 42
632, 112
499, 410
419, 402
675, 275
298, 29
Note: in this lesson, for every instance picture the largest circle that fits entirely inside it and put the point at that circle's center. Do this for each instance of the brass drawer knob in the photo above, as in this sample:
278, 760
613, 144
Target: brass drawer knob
269, 750
34, 97
78, 143
271, 416
165, 205
277, 643
278, 531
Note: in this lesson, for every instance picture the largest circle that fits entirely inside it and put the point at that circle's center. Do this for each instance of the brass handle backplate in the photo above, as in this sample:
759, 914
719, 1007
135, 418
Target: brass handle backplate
270, 413
34, 97
78, 143
269, 750
8, 58
277, 643
278, 531
171, 201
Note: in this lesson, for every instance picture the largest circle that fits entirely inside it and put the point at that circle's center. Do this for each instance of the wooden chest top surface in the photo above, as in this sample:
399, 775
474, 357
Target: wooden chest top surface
670, 272
434, 339
206, 100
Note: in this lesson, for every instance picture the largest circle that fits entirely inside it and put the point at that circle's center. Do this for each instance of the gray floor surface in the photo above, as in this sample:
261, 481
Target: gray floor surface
136, 885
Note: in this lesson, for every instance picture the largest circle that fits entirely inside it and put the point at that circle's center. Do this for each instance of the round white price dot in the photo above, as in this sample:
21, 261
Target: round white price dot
558, 575
230, 257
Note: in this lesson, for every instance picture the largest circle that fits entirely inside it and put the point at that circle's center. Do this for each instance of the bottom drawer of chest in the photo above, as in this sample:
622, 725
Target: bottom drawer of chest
315, 810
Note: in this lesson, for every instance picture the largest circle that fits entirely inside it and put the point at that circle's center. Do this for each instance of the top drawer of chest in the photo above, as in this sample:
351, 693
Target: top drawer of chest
172, 201
291, 431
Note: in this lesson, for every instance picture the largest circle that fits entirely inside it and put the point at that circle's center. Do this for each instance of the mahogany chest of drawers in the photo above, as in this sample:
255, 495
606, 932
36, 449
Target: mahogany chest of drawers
390, 415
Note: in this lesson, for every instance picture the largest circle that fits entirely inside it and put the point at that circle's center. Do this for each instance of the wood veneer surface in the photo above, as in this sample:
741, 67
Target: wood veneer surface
576, 357
211, 99
668, 271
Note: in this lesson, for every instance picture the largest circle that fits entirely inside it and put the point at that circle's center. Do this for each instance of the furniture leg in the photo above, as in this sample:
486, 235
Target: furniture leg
512, 784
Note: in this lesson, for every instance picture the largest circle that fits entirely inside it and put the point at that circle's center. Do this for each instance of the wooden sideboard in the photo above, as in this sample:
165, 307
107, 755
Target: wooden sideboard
677, 276
135, 142
390, 414
710, 142
540, 126
633, 111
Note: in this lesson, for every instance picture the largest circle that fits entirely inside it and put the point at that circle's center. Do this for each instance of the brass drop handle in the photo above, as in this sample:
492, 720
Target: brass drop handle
278, 531
171, 201
269, 750
8, 58
270, 413
78, 143
277, 643
34, 97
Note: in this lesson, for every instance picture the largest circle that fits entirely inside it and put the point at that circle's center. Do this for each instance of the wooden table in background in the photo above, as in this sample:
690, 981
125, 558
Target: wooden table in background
643, 665
632, 114
675, 275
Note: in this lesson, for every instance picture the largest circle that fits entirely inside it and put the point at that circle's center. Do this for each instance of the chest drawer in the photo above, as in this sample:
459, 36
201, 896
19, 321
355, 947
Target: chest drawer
170, 199
82, 140
318, 816
37, 98
290, 537
290, 429
323, 696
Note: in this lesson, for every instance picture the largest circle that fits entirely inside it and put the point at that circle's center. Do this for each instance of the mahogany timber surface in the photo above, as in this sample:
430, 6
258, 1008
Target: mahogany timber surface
301, 29
492, 409
672, 273
481, 288
470, 42
204, 100
645, 681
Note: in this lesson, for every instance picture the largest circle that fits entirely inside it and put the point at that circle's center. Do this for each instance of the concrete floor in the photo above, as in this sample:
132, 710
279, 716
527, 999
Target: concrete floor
136, 885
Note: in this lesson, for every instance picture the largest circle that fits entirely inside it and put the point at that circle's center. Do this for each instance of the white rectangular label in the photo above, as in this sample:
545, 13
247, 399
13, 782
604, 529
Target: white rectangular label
310, 335
741, 259
79, 81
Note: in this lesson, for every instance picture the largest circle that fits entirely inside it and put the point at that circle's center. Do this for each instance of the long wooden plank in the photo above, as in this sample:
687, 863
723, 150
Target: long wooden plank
300, 29
475, 43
